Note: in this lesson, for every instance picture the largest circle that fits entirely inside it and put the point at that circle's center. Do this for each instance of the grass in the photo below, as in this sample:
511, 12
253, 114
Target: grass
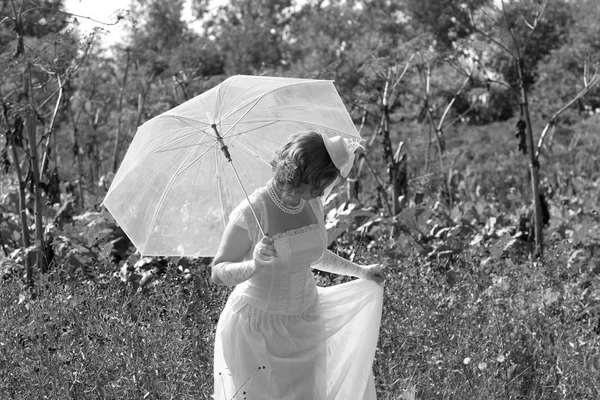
97, 340
504, 331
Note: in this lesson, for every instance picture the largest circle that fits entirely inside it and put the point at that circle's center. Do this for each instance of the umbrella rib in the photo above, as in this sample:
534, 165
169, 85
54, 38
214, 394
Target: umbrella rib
162, 199
141, 160
246, 113
181, 137
248, 199
186, 121
251, 130
219, 194
186, 147
216, 158
252, 152
166, 134
316, 125
243, 190
191, 210
186, 136
182, 119
161, 148
308, 82
196, 159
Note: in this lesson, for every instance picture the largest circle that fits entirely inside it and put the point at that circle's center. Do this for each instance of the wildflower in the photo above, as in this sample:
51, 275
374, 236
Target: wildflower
482, 366
501, 358
467, 361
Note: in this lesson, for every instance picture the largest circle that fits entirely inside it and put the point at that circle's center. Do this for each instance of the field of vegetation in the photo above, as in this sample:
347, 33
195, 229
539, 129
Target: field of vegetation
468, 313
478, 190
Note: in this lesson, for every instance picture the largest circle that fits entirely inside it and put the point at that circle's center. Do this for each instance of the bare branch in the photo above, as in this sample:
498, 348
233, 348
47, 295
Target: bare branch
68, 75
458, 68
490, 80
538, 18
595, 79
51, 127
428, 81
490, 38
461, 116
72, 15
512, 32
438, 134
384, 96
401, 76
414, 94
531, 27
14, 9
449, 106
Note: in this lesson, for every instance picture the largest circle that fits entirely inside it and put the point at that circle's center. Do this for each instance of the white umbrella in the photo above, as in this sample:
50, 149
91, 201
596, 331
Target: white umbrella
187, 168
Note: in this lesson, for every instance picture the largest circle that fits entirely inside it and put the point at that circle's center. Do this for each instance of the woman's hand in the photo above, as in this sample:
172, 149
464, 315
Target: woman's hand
264, 253
374, 272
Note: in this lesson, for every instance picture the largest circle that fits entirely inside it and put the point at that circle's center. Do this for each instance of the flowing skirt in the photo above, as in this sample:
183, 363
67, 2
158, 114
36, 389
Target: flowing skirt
326, 353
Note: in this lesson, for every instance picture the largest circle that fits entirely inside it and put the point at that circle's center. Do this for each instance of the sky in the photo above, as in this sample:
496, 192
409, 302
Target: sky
105, 11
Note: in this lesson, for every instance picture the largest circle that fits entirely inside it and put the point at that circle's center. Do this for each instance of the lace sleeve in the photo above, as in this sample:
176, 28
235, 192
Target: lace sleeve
331, 262
243, 217
237, 216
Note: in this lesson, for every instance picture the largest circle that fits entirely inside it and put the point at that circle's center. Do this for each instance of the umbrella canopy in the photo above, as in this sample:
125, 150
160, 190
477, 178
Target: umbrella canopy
176, 187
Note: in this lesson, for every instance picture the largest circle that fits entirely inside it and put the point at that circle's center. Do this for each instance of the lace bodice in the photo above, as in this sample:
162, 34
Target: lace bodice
288, 287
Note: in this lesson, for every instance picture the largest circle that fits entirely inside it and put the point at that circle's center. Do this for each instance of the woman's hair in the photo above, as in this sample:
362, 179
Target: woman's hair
304, 159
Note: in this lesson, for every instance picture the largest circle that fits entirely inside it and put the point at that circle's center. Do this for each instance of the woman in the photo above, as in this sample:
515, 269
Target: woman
279, 335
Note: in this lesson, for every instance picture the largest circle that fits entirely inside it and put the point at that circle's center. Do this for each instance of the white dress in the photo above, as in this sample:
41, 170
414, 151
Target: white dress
281, 337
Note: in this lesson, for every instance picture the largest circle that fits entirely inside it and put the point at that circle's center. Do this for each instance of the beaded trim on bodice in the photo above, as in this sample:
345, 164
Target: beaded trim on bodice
293, 232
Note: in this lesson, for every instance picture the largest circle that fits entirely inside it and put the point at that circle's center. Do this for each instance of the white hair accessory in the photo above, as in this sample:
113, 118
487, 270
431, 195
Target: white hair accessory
342, 152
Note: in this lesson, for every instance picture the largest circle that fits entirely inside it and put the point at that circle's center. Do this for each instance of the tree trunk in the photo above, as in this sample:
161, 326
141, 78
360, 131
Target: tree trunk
534, 166
392, 165
115, 161
35, 172
78, 162
535, 179
25, 239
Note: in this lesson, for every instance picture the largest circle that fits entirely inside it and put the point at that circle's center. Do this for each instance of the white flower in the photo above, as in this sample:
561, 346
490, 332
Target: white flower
501, 358
482, 366
467, 361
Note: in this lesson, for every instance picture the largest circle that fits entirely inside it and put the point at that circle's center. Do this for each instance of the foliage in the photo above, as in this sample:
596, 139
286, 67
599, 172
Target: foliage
449, 21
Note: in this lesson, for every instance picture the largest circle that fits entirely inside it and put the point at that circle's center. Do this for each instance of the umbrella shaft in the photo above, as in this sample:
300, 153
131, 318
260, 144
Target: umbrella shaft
224, 148
228, 156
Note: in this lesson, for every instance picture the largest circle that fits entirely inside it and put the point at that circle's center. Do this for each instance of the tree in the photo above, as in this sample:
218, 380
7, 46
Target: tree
40, 58
507, 44
251, 34
161, 64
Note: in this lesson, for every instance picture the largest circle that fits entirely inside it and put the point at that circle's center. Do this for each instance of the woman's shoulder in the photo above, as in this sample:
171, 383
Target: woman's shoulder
244, 211
256, 200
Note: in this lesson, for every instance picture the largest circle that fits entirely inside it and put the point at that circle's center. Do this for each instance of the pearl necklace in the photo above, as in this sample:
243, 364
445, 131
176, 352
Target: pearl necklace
280, 204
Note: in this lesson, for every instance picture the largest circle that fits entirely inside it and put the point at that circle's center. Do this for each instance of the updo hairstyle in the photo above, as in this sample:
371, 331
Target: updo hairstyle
303, 160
